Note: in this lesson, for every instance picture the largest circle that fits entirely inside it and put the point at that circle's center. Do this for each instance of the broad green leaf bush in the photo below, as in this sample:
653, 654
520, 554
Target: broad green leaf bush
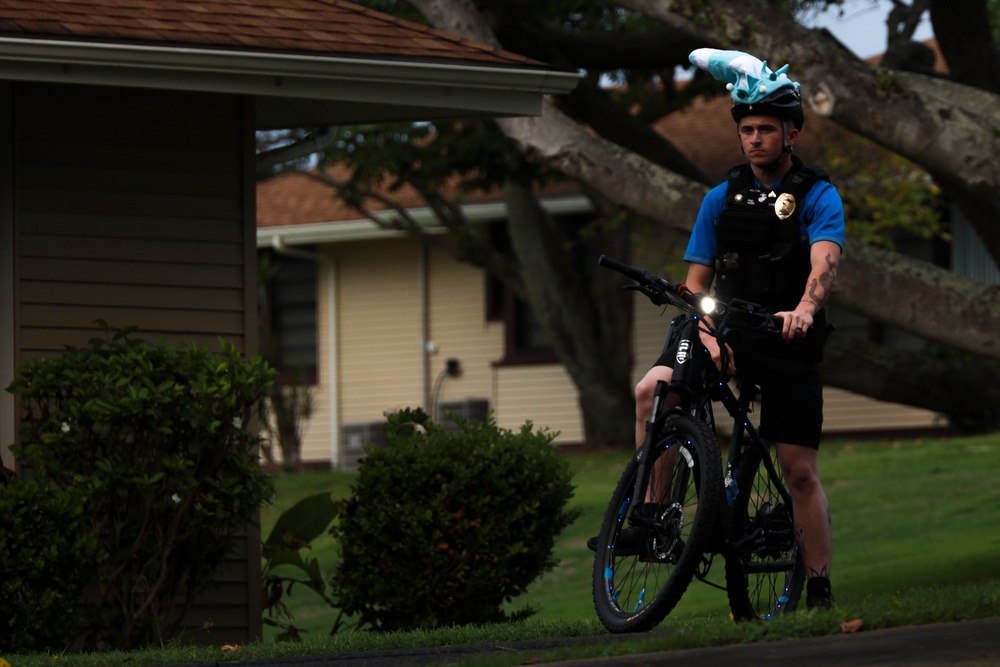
157, 439
284, 565
47, 557
445, 528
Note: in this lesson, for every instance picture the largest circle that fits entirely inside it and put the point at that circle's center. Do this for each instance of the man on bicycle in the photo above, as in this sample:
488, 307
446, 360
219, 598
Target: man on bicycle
771, 234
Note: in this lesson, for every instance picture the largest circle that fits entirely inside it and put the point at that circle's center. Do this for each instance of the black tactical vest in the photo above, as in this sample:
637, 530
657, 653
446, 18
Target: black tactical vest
761, 255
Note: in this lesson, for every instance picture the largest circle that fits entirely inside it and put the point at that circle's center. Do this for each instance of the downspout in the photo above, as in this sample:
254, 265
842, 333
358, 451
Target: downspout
326, 266
8, 347
279, 246
427, 346
331, 361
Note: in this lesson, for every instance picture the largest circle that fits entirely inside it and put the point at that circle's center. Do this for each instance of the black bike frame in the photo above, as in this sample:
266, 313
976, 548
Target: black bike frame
689, 364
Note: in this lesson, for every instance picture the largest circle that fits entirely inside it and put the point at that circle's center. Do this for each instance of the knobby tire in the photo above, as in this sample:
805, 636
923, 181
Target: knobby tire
633, 592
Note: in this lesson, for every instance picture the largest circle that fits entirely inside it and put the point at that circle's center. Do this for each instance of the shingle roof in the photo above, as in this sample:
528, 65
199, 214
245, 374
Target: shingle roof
298, 198
298, 26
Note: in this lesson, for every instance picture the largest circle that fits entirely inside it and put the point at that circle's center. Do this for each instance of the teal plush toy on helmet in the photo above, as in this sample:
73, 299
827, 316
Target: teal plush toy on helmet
755, 89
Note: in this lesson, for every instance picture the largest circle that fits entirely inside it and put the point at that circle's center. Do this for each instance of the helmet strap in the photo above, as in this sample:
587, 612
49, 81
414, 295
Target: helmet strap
786, 126
787, 150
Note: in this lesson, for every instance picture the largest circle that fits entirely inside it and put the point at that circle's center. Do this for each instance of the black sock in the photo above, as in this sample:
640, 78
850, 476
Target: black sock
818, 592
818, 585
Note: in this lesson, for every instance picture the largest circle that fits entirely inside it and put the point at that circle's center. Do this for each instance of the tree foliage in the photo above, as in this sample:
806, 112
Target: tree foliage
885, 196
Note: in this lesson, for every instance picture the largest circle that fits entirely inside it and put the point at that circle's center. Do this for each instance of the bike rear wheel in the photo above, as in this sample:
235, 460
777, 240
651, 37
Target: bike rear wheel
764, 568
638, 580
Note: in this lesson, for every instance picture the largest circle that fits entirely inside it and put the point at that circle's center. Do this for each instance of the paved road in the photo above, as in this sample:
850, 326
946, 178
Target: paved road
963, 644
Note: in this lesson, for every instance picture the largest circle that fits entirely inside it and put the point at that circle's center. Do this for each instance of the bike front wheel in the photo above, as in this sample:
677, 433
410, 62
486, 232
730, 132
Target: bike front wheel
764, 568
652, 541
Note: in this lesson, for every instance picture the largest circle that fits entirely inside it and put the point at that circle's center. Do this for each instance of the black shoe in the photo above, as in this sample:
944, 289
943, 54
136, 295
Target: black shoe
633, 541
818, 594
629, 543
637, 538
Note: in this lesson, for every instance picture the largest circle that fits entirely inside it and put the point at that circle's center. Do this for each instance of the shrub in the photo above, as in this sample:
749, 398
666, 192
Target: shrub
47, 557
156, 439
445, 528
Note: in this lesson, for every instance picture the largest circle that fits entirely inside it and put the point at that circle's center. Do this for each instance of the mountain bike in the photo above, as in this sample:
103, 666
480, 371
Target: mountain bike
677, 505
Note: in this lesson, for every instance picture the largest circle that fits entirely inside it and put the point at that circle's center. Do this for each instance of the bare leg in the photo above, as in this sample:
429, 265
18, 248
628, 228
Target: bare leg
809, 506
660, 488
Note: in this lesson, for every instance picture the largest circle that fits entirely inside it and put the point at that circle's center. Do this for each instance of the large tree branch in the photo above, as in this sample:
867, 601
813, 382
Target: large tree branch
618, 174
602, 51
952, 385
592, 105
920, 298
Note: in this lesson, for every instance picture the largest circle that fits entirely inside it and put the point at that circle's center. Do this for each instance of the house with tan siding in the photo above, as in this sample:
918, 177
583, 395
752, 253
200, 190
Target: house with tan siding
128, 170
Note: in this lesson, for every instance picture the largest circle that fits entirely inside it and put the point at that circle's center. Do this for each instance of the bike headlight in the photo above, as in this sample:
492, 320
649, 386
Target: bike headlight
707, 305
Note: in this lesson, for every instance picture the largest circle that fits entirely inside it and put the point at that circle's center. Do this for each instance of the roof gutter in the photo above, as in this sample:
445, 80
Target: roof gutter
267, 73
288, 236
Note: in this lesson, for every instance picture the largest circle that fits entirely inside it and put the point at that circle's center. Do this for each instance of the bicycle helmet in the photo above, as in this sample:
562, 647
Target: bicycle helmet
755, 89
784, 103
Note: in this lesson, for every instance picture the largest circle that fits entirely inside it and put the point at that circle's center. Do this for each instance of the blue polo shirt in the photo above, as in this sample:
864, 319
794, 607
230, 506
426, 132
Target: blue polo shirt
821, 219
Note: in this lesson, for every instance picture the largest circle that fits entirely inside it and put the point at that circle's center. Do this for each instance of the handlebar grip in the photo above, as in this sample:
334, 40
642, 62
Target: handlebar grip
638, 275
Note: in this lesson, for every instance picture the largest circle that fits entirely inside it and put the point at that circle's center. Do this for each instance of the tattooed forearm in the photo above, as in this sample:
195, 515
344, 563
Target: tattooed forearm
820, 285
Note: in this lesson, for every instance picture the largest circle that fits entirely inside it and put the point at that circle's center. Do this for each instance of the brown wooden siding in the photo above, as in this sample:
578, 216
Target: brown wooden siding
137, 207
130, 207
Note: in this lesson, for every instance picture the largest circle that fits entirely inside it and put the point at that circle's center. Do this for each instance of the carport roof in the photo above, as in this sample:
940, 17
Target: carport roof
309, 62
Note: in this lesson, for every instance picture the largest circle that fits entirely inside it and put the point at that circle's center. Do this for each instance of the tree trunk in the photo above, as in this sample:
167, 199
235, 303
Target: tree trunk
592, 336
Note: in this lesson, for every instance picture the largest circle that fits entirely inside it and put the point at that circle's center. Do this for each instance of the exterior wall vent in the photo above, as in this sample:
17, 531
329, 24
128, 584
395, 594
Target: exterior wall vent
469, 409
354, 438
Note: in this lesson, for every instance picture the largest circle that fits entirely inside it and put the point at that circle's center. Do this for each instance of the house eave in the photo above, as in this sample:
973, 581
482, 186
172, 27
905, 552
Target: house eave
363, 229
446, 89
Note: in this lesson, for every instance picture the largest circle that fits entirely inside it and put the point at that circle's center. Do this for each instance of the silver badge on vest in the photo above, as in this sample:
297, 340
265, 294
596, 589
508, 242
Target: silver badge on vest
785, 206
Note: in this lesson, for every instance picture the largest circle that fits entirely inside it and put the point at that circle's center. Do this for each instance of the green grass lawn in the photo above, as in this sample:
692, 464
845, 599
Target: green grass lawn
906, 514
915, 541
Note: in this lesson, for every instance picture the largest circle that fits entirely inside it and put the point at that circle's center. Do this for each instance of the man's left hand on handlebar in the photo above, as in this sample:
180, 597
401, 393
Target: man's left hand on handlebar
795, 323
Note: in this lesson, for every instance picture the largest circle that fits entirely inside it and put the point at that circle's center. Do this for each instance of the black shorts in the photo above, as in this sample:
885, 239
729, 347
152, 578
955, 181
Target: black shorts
791, 395
791, 389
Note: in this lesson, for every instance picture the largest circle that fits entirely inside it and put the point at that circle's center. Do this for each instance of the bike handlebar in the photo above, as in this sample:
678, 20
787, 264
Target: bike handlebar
737, 314
636, 274
656, 289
